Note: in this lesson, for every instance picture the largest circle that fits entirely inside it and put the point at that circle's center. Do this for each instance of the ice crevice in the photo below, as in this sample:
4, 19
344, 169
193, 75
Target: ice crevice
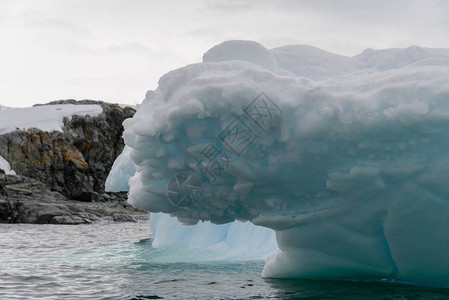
345, 158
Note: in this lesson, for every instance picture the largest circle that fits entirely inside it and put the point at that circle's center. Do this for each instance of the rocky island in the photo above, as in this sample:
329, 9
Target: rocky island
59, 175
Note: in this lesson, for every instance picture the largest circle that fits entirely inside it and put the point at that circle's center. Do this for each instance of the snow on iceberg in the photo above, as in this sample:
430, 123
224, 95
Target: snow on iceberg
346, 158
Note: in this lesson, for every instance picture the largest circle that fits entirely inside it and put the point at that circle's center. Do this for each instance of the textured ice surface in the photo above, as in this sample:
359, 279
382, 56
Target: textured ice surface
199, 242
345, 157
122, 170
210, 242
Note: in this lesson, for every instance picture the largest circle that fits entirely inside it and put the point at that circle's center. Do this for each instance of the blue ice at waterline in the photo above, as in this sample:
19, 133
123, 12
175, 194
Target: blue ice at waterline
203, 241
345, 158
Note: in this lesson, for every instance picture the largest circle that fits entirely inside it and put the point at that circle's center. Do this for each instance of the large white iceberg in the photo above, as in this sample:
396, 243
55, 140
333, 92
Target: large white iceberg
347, 158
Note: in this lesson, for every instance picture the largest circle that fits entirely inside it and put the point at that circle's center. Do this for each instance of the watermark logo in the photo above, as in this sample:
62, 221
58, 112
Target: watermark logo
215, 161
260, 115
238, 136
184, 189
263, 111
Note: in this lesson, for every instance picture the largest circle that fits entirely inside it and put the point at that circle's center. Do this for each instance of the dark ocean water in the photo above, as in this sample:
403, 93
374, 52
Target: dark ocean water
116, 261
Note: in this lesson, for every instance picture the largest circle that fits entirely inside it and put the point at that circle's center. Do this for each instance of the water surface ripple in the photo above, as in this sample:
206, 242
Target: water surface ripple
116, 261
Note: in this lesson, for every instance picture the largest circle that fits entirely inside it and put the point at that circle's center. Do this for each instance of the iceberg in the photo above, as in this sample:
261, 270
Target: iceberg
122, 170
204, 241
200, 241
346, 158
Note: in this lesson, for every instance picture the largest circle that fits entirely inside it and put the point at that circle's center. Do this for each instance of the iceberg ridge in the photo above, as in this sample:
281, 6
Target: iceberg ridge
346, 158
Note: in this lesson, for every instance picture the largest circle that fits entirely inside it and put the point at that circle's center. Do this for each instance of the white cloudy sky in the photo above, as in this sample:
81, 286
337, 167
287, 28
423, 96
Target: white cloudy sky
116, 50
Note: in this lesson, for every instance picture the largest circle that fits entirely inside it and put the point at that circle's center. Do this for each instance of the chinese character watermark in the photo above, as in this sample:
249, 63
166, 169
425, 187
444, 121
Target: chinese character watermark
214, 161
263, 111
238, 136
184, 190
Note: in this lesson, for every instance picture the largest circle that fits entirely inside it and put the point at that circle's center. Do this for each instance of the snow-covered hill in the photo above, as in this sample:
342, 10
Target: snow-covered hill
45, 117
69, 145
61, 151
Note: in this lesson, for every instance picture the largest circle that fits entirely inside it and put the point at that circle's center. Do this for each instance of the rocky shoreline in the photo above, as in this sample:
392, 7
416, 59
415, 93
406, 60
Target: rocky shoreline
61, 175
25, 200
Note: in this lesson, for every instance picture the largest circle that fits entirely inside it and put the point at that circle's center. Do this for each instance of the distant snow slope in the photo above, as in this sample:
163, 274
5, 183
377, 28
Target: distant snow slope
46, 117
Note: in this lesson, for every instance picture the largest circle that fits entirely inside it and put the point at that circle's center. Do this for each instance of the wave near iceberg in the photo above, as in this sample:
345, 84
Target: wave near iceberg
346, 158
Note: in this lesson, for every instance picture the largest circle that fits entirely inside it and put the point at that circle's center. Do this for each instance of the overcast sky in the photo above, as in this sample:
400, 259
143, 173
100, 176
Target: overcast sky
116, 50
